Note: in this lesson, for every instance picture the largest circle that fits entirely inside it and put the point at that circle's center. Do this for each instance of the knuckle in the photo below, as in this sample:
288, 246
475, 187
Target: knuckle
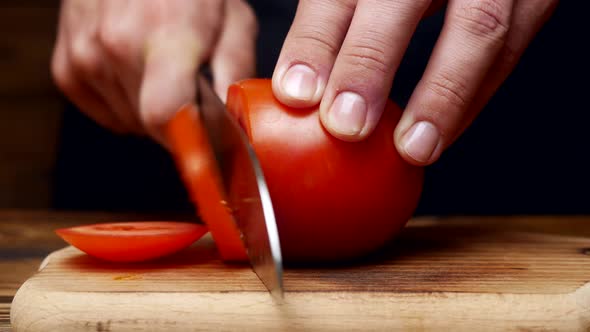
450, 90
151, 118
61, 74
369, 56
84, 57
115, 39
316, 32
148, 117
151, 114
485, 19
316, 37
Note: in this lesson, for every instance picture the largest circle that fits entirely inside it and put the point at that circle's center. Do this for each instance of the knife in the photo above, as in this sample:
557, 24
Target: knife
242, 182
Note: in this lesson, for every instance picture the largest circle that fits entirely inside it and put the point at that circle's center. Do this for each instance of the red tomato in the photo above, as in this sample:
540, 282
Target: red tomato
333, 200
132, 241
192, 156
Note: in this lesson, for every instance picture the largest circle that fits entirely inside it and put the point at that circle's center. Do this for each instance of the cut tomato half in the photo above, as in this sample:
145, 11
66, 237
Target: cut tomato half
333, 200
132, 241
194, 160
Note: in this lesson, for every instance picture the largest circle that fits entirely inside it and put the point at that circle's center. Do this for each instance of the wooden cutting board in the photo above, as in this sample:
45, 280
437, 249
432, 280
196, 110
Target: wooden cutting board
433, 277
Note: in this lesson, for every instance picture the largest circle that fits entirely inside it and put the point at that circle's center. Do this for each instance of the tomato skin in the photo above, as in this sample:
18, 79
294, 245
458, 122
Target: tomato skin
193, 159
132, 241
333, 200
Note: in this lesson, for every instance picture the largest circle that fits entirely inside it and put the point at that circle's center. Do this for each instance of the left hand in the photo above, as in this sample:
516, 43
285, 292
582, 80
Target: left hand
344, 54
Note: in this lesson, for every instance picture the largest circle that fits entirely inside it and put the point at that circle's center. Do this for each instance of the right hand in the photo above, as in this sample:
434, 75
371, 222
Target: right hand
130, 64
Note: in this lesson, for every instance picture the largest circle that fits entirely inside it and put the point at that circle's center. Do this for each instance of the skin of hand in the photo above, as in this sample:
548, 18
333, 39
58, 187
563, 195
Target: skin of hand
343, 54
130, 64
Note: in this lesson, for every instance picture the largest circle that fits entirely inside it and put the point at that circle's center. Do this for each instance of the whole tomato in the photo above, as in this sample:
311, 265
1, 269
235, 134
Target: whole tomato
333, 200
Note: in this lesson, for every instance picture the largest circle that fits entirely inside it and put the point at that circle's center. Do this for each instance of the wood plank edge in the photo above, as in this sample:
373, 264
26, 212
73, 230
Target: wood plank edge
582, 299
36, 310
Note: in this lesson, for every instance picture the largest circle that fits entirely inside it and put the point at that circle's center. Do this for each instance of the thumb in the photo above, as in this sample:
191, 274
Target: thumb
169, 79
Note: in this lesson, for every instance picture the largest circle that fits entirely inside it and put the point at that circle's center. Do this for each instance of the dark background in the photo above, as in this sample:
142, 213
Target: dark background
527, 153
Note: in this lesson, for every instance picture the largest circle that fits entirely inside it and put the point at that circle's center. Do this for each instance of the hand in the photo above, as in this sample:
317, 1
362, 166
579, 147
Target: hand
130, 64
344, 54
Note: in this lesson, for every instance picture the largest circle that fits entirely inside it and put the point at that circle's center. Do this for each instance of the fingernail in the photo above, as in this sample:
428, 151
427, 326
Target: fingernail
421, 141
348, 114
300, 82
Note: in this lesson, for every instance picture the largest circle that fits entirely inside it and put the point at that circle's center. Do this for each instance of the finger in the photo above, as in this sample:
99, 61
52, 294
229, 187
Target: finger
121, 31
471, 38
174, 51
91, 66
169, 80
234, 55
86, 59
527, 19
81, 95
310, 49
364, 69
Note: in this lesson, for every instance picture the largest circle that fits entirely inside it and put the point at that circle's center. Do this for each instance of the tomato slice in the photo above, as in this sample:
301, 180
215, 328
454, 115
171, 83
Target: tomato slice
132, 241
193, 158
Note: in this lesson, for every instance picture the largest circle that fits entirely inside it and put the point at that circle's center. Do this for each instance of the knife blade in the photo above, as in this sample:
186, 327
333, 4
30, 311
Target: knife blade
243, 184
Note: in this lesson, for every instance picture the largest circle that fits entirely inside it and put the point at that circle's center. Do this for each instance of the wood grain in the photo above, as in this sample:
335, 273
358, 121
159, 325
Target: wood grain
27, 236
458, 275
18, 271
4, 316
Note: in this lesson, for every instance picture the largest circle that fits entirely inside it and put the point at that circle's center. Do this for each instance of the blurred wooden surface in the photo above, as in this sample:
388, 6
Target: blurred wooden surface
27, 237
30, 105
